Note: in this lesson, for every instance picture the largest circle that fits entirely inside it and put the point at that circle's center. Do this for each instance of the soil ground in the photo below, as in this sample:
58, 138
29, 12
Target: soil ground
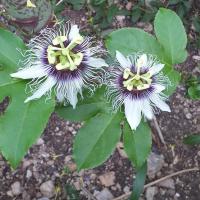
50, 159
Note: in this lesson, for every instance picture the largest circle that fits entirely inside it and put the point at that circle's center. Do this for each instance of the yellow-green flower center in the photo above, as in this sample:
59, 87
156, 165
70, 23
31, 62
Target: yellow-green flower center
136, 81
63, 57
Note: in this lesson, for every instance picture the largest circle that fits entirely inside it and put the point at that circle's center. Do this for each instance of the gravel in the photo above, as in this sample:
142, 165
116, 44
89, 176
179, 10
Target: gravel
168, 183
151, 192
16, 188
107, 179
47, 189
155, 163
105, 194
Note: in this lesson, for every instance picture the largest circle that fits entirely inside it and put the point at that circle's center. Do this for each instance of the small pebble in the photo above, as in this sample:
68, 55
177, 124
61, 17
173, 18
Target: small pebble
107, 179
77, 185
126, 189
195, 57
9, 193
67, 159
26, 163
28, 174
43, 198
71, 166
151, 192
168, 183
129, 5
40, 141
47, 189
155, 164
105, 194
16, 188
188, 115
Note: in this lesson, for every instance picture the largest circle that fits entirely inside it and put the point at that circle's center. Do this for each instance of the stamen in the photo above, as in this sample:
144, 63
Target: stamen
136, 81
62, 56
59, 39
75, 41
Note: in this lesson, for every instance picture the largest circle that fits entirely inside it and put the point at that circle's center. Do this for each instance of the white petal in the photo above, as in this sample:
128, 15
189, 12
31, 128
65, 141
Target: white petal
45, 87
147, 109
74, 32
60, 96
72, 97
132, 112
31, 72
73, 88
67, 91
124, 62
156, 68
158, 88
96, 62
159, 103
142, 61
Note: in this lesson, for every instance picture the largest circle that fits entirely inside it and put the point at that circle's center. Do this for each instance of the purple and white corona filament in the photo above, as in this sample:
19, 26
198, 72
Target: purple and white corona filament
137, 82
62, 59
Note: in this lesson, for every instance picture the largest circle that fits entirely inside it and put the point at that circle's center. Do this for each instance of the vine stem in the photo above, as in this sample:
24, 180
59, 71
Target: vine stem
125, 196
159, 130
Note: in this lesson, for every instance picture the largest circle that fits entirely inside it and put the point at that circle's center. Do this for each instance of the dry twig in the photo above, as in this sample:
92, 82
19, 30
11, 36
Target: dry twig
159, 130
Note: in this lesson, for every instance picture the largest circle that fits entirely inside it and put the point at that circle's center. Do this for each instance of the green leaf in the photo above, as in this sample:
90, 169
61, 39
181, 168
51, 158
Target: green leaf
174, 77
196, 23
96, 140
9, 46
21, 124
71, 192
138, 185
148, 17
97, 2
192, 140
173, 2
137, 144
171, 34
77, 4
194, 91
137, 40
112, 11
135, 15
86, 108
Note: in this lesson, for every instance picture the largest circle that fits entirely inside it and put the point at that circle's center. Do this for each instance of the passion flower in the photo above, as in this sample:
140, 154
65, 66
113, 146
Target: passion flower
137, 82
62, 59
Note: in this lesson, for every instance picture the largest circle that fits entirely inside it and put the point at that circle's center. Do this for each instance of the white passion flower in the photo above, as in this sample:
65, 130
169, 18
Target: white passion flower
62, 59
137, 82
